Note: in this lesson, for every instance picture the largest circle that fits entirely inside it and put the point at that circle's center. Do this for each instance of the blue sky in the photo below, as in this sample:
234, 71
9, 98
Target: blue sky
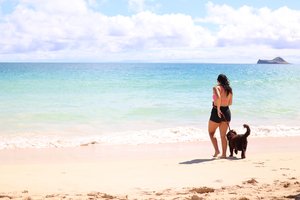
149, 30
195, 8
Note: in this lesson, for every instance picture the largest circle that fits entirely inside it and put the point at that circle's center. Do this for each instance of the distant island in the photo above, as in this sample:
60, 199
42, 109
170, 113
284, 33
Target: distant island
277, 60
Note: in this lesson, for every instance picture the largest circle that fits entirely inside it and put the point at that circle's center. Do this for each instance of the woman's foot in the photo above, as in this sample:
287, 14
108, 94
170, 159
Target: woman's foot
216, 154
222, 157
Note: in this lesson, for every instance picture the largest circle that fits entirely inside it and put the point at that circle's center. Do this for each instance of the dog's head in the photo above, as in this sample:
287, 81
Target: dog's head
231, 134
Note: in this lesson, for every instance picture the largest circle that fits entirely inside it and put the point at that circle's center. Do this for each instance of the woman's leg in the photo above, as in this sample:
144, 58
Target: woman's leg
223, 130
212, 127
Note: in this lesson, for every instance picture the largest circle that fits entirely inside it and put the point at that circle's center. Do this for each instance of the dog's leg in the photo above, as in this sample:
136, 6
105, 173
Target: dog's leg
231, 152
235, 151
243, 153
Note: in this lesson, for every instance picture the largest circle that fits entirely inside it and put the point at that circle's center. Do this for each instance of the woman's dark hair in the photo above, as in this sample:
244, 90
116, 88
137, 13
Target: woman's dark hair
223, 80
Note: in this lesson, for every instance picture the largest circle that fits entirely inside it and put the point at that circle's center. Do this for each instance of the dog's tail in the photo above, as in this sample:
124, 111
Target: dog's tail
248, 130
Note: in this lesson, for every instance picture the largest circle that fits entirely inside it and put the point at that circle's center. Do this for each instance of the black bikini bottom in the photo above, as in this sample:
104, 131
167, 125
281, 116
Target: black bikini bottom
226, 112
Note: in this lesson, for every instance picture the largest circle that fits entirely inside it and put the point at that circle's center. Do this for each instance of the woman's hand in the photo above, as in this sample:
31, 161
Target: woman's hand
219, 113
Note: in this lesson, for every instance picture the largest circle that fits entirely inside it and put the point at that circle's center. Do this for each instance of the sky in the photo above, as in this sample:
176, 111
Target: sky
215, 31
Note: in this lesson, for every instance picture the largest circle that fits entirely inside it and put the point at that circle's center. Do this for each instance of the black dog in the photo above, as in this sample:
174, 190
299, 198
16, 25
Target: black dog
238, 142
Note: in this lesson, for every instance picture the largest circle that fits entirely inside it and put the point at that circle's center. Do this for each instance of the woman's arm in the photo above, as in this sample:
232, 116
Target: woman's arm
230, 100
218, 100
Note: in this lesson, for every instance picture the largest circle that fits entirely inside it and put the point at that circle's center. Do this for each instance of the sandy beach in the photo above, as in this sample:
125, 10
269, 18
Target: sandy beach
105, 99
163, 171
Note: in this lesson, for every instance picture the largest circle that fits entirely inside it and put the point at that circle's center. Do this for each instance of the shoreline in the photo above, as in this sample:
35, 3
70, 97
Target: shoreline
135, 171
173, 135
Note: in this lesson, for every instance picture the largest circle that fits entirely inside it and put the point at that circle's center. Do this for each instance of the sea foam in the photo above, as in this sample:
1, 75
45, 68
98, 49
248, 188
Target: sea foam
137, 137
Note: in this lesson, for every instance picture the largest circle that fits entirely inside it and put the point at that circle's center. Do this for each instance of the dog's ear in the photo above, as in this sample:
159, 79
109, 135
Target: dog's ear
230, 132
233, 132
229, 135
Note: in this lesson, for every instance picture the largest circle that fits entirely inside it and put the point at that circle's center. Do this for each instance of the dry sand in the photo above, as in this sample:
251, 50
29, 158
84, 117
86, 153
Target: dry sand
271, 170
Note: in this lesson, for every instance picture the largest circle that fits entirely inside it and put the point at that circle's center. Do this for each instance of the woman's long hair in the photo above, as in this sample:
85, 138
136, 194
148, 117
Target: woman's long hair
224, 82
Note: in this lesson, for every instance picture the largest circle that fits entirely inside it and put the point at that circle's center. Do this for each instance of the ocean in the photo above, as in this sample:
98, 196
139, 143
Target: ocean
73, 104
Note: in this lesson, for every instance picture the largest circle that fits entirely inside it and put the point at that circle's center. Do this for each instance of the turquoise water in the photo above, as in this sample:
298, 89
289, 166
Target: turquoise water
42, 104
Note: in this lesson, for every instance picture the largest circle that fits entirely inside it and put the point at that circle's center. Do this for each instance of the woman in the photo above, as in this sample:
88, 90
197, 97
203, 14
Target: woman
220, 114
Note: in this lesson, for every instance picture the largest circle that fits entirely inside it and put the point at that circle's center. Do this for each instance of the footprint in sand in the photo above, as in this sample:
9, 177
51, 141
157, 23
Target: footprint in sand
251, 181
52, 195
158, 193
5, 196
285, 184
284, 168
259, 164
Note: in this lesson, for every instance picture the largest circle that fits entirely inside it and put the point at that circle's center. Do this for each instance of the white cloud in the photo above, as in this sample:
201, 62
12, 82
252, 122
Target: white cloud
54, 30
38, 27
249, 26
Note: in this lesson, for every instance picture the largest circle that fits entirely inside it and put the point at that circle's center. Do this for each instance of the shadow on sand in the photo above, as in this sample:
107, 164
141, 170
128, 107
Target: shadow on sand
198, 161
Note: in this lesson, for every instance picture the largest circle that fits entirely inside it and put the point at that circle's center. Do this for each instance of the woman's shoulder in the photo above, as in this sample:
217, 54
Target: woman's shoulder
219, 87
216, 88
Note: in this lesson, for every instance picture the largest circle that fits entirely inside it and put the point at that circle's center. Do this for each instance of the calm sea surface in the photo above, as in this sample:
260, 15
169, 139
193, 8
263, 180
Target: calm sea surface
45, 105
